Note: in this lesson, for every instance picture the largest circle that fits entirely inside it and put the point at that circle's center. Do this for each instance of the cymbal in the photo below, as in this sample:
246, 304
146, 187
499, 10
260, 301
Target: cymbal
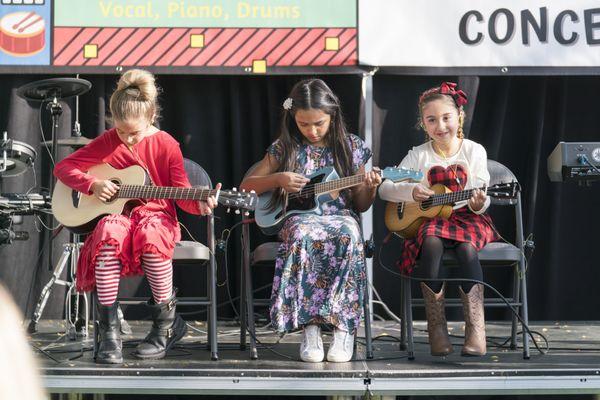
73, 141
54, 87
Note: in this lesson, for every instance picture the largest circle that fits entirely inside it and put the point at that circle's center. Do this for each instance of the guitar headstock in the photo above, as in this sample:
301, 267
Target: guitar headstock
238, 200
508, 190
397, 174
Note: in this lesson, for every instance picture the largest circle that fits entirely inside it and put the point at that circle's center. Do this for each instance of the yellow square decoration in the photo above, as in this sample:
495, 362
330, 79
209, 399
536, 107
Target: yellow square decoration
259, 66
90, 51
332, 43
196, 40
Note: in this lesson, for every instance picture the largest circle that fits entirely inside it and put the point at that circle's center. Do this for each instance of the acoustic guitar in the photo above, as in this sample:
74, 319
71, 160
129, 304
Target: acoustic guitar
80, 212
406, 218
324, 186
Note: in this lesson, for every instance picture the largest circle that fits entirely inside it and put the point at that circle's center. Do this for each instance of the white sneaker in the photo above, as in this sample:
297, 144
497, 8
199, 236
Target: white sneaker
311, 349
342, 346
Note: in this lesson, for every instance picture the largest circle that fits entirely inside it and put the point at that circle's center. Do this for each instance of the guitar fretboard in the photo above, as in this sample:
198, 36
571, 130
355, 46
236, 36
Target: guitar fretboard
449, 198
339, 184
164, 192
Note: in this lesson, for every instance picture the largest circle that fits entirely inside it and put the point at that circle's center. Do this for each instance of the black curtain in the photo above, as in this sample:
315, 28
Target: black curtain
225, 123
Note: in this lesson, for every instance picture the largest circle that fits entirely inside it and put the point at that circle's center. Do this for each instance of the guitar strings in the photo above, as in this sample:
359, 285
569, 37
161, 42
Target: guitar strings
408, 205
311, 189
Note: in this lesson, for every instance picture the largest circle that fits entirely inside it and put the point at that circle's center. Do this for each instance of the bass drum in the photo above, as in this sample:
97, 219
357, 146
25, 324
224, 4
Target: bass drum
19, 158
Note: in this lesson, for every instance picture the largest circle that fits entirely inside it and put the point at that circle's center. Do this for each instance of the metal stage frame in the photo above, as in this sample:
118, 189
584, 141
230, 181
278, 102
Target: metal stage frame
572, 366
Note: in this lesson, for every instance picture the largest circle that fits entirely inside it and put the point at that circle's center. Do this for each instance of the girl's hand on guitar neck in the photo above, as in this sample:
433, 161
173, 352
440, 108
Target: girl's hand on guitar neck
104, 190
477, 200
421, 193
207, 206
291, 182
372, 178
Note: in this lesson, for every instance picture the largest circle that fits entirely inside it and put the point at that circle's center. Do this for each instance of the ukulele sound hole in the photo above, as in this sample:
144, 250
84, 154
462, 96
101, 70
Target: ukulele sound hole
426, 204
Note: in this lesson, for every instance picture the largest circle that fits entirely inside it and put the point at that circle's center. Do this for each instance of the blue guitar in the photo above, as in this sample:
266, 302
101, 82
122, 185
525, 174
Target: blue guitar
324, 186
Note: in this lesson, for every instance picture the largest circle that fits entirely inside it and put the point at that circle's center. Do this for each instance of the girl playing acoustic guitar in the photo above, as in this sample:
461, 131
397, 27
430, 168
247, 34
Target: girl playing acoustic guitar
142, 241
449, 159
320, 273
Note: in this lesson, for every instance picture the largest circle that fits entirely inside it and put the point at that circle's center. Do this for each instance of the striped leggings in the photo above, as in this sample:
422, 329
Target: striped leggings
159, 273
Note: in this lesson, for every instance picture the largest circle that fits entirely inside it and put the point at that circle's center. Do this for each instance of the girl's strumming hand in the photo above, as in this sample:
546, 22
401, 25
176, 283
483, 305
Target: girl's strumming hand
291, 182
421, 193
104, 189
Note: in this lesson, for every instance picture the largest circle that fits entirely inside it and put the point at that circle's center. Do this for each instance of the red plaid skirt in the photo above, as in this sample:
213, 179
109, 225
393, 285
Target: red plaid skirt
462, 226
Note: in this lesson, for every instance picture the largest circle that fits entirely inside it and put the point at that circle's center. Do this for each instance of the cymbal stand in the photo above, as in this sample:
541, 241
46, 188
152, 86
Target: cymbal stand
70, 252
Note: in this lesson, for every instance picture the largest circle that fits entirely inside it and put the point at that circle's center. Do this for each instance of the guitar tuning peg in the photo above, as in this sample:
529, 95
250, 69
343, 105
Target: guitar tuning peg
228, 209
243, 190
252, 191
234, 190
237, 211
246, 213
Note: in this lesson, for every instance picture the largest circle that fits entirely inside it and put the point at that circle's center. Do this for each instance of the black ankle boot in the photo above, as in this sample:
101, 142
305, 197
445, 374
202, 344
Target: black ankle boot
168, 328
109, 346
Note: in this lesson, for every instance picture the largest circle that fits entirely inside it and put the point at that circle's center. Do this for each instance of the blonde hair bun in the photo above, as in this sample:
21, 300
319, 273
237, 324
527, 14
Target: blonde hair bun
135, 96
138, 83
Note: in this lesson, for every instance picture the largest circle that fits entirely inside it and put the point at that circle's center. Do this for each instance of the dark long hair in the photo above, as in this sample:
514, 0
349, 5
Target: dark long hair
313, 94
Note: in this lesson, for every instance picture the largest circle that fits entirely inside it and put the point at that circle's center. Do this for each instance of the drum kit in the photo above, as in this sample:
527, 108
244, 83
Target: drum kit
16, 158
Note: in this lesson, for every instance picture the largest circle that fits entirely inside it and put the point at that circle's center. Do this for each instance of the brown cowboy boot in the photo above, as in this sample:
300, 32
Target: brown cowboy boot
475, 343
437, 327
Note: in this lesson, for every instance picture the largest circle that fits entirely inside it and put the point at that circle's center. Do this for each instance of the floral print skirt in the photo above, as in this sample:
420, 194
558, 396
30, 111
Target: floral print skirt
320, 273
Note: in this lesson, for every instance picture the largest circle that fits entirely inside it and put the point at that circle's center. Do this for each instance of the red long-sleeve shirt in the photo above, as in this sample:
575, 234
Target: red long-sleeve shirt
159, 154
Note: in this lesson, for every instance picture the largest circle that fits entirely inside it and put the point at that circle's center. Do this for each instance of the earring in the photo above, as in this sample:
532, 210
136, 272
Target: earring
461, 120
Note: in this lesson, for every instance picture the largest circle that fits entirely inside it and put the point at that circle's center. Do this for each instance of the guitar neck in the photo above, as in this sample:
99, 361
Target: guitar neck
339, 184
164, 192
452, 197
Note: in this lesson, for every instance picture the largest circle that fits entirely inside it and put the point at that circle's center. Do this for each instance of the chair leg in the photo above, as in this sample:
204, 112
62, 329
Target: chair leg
516, 299
367, 317
402, 315
250, 315
212, 314
524, 309
212, 292
243, 304
409, 322
248, 298
96, 328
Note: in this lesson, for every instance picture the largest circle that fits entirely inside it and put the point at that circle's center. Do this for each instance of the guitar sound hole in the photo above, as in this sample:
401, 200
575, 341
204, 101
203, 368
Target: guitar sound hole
305, 200
116, 195
426, 204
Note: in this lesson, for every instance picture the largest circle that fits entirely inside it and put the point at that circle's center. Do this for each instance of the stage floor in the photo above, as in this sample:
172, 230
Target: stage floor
571, 366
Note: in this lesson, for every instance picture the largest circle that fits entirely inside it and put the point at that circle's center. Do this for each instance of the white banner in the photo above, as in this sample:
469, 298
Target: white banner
483, 33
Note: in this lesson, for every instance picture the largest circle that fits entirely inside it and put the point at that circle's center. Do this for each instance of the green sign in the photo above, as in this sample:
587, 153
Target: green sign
206, 13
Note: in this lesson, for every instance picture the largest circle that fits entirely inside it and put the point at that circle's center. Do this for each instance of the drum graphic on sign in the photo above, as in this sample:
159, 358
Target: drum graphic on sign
22, 34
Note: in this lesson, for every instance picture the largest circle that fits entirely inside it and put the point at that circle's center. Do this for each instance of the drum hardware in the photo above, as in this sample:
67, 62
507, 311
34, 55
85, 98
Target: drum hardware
16, 158
74, 141
51, 91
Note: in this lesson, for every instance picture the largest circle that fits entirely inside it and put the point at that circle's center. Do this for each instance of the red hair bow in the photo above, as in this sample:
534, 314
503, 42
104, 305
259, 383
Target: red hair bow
459, 96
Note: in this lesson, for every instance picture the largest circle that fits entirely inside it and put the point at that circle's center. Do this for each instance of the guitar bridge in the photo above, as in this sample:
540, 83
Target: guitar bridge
400, 210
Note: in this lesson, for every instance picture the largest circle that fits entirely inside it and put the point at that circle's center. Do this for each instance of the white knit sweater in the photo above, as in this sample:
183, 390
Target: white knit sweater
471, 156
